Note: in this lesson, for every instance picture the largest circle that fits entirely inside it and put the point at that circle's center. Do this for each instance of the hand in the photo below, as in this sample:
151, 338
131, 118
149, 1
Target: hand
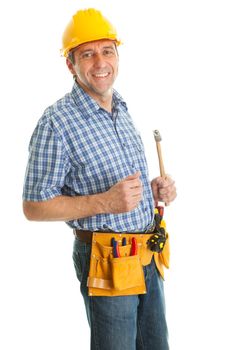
164, 190
125, 195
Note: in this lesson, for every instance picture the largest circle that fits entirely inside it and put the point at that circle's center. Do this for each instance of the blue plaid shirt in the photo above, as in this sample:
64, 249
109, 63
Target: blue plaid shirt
78, 148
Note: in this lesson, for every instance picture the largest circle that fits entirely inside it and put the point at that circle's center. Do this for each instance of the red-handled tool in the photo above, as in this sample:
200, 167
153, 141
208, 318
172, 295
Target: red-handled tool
134, 247
160, 210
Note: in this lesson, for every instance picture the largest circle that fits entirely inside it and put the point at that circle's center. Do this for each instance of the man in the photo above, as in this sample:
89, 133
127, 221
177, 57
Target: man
87, 167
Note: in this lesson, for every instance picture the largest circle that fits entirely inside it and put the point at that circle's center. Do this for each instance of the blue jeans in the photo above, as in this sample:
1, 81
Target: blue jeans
135, 322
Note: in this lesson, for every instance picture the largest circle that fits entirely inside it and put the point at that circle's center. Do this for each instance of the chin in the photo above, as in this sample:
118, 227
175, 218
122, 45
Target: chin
104, 92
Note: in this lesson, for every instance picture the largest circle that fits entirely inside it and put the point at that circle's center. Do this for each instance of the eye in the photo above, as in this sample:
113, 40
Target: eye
86, 55
109, 52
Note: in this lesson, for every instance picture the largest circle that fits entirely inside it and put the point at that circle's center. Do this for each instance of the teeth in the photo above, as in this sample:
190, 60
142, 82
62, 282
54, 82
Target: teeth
101, 75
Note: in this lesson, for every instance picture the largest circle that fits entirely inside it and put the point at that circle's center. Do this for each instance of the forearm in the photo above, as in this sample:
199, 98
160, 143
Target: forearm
122, 197
65, 208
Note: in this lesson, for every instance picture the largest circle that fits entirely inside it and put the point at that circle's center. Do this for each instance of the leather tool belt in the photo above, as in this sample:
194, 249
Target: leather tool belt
112, 275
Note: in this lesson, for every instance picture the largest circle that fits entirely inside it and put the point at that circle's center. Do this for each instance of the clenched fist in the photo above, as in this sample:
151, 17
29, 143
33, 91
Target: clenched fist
125, 195
164, 190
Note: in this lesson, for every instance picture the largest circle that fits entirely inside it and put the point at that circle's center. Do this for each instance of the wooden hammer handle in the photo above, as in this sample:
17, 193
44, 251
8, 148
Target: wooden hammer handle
161, 165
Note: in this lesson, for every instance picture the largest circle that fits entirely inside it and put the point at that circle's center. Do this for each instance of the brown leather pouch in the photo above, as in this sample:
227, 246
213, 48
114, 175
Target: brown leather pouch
111, 276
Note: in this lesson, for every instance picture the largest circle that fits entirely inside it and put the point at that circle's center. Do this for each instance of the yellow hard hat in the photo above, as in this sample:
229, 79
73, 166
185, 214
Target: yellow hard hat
85, 26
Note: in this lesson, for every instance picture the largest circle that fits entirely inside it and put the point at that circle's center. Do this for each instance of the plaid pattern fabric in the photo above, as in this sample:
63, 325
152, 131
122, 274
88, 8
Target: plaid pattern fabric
78, 148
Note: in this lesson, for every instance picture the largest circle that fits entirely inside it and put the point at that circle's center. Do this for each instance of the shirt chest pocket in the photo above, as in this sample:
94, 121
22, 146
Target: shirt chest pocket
136, 142
97, 155
105, 157
133, 142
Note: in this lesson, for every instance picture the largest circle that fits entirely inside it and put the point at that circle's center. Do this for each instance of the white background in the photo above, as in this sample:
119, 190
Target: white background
177, 76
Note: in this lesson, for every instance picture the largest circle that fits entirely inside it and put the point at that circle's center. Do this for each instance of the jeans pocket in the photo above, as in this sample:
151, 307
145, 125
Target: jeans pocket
81, 257
77, 265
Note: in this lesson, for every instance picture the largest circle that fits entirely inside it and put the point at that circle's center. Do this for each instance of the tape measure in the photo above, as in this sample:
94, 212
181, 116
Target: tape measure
157, 241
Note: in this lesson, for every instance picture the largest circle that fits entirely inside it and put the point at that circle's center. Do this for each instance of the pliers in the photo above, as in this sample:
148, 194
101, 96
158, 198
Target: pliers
115, 245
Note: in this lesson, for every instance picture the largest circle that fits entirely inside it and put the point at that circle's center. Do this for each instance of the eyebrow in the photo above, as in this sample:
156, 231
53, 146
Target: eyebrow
103, 48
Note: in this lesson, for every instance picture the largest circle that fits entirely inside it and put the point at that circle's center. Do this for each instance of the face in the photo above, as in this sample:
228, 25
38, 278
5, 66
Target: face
96, 67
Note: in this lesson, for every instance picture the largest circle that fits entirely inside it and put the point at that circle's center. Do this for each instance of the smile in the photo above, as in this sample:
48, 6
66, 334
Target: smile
101, 75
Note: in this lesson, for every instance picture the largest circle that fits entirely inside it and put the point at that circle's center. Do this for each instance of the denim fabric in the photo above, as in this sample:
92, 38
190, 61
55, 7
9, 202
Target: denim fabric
135, 322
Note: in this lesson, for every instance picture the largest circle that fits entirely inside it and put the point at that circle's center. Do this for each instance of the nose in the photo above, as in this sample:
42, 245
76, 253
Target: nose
99, 60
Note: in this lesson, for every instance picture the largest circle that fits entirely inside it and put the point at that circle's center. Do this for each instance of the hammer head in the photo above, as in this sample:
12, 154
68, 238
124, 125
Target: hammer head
157, 136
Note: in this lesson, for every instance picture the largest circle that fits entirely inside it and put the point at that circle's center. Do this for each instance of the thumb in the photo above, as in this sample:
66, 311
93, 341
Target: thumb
132, 177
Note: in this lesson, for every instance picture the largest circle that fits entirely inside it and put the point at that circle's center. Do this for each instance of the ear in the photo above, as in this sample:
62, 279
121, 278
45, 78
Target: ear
70, 66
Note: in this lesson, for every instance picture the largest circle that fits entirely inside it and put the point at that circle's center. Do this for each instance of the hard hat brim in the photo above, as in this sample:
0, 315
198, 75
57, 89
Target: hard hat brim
75, 45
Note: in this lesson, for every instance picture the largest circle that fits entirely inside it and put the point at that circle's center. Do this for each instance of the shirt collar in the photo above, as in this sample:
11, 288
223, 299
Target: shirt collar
88, 106
118, 101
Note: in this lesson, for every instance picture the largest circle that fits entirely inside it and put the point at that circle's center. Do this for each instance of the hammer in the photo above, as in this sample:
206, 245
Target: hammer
158, 138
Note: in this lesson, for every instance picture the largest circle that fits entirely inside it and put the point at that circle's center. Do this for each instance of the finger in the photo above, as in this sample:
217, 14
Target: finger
133, 176
137, 195
158, 180
169, 197
172, 196
164, 182
166, 190
136, 203
133, 203
133, 184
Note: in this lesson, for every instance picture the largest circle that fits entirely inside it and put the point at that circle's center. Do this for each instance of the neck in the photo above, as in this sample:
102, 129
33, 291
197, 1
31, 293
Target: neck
104, 100
105, 104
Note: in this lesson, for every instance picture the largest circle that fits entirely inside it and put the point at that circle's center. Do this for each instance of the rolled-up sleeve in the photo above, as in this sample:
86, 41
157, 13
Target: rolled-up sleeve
47, 165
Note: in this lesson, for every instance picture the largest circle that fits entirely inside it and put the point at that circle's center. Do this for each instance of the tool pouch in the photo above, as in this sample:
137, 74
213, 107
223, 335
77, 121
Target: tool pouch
127, 273
110, 276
